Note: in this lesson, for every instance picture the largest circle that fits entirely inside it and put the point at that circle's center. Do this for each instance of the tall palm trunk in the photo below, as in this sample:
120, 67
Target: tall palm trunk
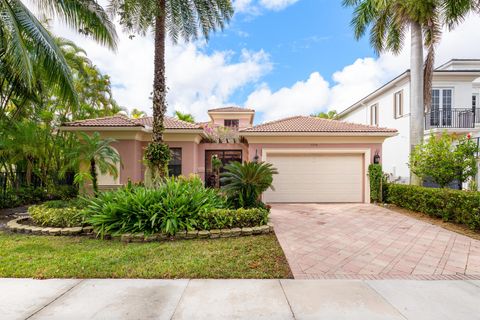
159, 86
416, 92
93, 173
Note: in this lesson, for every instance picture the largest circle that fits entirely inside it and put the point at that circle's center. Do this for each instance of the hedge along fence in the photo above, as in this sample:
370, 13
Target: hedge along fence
450, 205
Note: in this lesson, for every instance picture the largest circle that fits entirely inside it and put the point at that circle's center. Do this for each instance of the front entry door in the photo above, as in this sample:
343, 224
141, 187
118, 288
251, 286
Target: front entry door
226, 156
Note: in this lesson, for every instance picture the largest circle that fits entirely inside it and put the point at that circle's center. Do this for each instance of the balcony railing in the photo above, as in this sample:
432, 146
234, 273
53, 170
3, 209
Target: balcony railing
452, 118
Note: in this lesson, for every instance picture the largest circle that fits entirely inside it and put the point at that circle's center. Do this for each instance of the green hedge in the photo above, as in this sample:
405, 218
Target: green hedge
450, 205
66, 217
30, 195
233, 218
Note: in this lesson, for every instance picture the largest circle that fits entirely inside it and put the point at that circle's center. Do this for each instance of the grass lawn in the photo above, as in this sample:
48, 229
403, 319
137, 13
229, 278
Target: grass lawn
65, 257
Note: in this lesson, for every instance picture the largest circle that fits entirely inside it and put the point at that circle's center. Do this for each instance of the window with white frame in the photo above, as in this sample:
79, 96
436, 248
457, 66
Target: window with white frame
374, 115
398, 104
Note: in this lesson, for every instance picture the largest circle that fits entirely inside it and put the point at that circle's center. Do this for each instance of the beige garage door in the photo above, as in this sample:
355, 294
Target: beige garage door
316, 178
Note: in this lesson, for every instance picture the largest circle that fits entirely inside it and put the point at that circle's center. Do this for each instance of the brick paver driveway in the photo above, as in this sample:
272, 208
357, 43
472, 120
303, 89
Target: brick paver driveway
369, 242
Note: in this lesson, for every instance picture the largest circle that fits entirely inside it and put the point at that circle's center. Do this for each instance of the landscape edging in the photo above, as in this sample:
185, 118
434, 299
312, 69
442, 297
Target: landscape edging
15, 226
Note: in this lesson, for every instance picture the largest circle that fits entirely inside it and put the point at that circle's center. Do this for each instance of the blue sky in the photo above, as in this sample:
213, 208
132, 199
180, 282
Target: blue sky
280, 57
309, 35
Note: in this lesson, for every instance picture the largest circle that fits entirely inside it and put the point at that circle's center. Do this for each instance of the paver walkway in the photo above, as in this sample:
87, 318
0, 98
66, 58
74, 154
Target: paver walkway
363, 241
238, 299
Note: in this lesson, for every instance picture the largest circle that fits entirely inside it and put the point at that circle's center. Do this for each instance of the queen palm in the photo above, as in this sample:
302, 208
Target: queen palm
181, 19
26, 44
389, 21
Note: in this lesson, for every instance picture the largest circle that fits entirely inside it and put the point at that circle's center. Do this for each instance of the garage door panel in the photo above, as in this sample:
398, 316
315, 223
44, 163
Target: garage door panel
316, 178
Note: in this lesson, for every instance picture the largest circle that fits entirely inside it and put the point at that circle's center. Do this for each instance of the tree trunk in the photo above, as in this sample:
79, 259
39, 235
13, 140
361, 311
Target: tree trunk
159, 83
93, 173
416, 93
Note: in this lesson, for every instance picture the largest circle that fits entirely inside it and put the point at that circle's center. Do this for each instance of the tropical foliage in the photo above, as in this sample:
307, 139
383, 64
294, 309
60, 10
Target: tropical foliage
27, 48
444, 159
31, 144
244, 183
233, 218
99, 154
65, 217
174, 206
184, 19
332, 114
388, 23
187, 117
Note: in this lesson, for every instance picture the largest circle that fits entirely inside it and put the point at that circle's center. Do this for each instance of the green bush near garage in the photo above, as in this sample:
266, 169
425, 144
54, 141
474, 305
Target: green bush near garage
450, 205
233, 218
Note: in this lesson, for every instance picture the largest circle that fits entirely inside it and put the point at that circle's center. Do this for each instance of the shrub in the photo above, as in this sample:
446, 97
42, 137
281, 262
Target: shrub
450, 205
174, 206
56, 217
245, 183
233, 218
31, 195
376, 176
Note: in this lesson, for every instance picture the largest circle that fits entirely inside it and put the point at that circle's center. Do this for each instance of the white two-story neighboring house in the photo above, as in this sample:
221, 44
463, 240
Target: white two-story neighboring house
455, 108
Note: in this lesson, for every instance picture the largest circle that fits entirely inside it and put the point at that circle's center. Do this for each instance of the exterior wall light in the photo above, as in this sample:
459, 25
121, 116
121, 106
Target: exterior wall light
376, 158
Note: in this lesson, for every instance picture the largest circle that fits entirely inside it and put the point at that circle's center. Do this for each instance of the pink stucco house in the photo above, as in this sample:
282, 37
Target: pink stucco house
318, 160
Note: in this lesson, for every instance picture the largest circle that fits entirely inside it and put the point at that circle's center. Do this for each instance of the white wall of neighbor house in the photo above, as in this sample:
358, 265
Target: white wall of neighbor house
395, 149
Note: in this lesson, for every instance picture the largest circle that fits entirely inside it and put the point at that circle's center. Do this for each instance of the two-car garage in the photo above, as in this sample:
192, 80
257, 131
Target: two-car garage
318, 160
314, 177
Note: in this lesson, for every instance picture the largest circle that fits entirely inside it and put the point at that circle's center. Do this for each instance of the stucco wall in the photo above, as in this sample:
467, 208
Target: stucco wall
131, 156
253, 148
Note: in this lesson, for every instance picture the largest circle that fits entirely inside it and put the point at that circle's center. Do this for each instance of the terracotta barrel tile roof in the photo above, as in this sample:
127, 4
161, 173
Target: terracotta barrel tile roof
314, 124
121, 121
231, 109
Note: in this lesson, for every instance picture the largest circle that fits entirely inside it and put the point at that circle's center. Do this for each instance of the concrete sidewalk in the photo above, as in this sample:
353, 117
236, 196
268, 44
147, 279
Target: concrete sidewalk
238, 299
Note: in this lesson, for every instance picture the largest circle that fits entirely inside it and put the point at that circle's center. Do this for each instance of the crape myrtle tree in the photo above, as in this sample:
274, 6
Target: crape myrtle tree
388, 22
180, 19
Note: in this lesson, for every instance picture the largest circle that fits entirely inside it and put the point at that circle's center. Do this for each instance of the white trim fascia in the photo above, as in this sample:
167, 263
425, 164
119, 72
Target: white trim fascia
365, 151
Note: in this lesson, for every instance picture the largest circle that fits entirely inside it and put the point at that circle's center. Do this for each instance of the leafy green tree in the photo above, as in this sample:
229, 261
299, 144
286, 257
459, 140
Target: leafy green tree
181, 19
443, 160
187, 117
332, 114
25, 44
137, 114
390, 20
99, 154
245, 183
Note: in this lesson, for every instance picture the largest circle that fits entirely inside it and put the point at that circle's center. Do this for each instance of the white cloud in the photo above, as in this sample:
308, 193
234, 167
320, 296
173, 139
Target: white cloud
360, 78
304, 97
196, 80
256, 6
199, 82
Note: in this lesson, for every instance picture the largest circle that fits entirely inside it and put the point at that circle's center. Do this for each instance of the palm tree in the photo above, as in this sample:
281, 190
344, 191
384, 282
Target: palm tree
184, 19
332, 114
26, 44
389, 21
137, 114
245, 183
187, 117
98, 153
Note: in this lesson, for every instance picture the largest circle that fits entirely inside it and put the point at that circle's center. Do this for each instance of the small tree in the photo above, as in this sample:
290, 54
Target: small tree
99, 154
442, 161
466, 159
